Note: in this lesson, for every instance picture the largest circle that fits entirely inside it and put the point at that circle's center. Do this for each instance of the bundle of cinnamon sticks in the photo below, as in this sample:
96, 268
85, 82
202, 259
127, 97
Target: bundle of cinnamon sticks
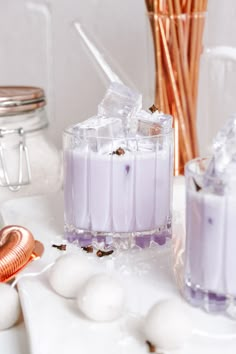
177, 29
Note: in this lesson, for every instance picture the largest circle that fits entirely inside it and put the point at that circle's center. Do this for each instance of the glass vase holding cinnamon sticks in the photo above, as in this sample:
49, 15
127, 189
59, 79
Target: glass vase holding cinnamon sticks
177, 30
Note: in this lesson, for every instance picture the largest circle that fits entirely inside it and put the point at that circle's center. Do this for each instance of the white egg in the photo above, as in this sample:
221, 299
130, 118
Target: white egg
9, 306
102, 298
69, 273
168, 325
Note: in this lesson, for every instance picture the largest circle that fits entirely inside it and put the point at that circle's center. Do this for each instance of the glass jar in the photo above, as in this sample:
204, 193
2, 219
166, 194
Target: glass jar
29, 163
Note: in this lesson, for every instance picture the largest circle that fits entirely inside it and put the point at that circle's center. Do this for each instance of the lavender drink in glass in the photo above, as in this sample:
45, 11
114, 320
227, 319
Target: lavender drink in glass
118, 177
210, 226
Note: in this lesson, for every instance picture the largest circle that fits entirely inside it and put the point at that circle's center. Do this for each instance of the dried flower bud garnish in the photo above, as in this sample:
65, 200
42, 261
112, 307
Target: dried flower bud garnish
210, 221
88, 249
60, 247
101, 253
151, 347
198, 188
118, 151
153, 108
127, 169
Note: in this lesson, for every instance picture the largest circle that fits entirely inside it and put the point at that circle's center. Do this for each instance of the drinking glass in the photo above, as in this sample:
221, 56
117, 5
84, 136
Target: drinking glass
210, 239
118, 191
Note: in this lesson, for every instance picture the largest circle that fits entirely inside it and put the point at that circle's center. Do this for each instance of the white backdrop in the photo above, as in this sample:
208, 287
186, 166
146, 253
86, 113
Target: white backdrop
39, 46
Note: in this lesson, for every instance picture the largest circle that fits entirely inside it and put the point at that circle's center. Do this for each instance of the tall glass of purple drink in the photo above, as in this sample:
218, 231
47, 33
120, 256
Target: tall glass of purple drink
210, 261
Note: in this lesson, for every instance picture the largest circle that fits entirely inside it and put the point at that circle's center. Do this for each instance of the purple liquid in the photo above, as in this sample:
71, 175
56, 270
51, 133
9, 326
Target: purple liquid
123, 196
210, 250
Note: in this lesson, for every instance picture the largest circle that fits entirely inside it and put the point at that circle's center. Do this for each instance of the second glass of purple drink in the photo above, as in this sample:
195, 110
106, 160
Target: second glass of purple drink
209, 279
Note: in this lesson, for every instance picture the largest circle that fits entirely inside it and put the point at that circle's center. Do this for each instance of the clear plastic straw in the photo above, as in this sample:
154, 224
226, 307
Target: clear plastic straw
101, 58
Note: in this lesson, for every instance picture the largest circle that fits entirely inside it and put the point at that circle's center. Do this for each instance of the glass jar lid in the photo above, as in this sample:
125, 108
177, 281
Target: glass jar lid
16, 99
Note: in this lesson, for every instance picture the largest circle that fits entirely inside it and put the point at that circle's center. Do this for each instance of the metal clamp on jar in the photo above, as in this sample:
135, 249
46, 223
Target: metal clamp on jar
29, 163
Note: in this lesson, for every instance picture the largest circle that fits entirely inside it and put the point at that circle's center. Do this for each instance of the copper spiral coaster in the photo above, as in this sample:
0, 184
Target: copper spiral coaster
17, 249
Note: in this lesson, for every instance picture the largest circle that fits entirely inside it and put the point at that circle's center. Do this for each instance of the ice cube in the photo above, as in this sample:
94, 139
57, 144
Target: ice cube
99, 127
120, 101
223, 161
153, 123
98, 132
224, 145
149, 126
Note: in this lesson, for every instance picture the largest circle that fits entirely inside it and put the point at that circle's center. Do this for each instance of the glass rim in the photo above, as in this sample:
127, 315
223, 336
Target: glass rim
189, 171
67, 132
219, 178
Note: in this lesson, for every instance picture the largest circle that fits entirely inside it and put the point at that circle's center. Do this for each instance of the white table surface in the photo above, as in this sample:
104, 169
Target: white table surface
15, 340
